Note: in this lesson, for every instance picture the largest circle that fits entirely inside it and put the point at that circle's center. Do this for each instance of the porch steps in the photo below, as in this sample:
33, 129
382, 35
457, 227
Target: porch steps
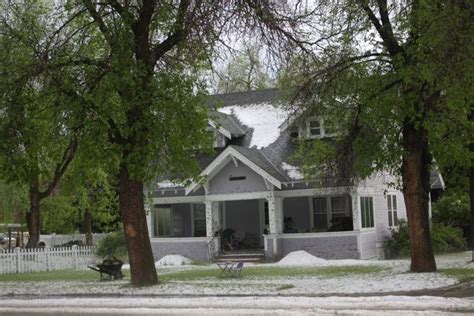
241, 256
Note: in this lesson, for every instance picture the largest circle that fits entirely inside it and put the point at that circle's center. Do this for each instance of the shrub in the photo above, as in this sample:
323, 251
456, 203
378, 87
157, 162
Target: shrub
447, 238
113, 245
452, 209
399, 244
444, 238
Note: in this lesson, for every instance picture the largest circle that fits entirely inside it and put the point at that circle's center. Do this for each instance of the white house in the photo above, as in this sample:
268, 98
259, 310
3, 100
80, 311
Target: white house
260, 200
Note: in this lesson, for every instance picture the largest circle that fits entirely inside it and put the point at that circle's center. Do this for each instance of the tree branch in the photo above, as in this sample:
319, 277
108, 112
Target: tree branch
385, 28
178, 34
61, 167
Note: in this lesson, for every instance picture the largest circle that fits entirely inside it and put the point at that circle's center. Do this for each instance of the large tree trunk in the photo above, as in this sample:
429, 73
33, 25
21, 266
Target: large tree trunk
471, 196
33, 216
140, 255
88, 227
416, 167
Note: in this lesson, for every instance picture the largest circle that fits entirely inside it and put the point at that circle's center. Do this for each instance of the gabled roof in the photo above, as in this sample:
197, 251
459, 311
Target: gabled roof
253, 158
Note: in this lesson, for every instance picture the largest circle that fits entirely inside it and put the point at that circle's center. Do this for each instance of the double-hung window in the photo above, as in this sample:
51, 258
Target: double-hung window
367, 211
392, 210
314, 128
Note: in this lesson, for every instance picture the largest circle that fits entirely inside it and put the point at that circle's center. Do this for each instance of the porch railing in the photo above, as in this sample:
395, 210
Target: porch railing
213, 247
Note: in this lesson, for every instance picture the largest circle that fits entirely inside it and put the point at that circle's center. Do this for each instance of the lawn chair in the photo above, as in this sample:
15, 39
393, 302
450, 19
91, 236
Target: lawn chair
231, 269
237, 270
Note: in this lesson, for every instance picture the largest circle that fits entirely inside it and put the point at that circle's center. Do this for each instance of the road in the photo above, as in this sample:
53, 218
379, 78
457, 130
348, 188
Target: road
228, 305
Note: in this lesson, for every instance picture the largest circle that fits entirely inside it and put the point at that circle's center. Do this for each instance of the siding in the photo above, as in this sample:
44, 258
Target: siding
367, 244
327, 246
194, 249
221, 184
378, 184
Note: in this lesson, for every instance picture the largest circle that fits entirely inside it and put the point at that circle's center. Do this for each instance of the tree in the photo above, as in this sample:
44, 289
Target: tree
397, 80
150, 100
39, 132
13, 203
244, 72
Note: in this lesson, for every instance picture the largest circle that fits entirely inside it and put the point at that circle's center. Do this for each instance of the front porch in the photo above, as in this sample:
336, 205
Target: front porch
327, 226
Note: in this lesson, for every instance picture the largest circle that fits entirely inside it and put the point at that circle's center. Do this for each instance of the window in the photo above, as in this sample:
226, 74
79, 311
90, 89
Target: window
317, 128
338, 207
266, 214
162, 221
392, 210
320, 214
199, 215
367, 211
314, 128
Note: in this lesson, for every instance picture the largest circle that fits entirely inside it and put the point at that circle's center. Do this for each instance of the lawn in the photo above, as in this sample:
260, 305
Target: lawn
271, 272
166, 275
462, 274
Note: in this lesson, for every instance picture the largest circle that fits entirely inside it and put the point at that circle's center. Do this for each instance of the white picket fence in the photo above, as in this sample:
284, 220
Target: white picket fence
46, 259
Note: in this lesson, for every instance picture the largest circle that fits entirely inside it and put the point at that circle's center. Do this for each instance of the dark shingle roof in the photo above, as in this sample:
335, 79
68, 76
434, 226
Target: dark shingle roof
227, 122
242, 98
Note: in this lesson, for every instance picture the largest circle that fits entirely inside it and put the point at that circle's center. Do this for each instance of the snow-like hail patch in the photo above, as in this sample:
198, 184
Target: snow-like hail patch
264, 118
301, 258
168, 184
173, 260
292, 171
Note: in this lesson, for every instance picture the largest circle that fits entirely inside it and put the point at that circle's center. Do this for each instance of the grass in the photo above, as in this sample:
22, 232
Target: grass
285, 287
197, 274
270, 272
462, 274
64, 275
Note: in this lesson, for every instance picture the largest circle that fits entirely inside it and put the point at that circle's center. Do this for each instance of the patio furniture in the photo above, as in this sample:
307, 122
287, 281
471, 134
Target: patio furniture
231, 269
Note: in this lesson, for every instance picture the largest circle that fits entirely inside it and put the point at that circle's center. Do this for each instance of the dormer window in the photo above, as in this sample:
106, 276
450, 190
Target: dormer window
314, 128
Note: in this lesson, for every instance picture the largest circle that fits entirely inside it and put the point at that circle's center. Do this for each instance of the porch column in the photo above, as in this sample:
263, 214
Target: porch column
149, 222
212, 217
275, 214
356, 220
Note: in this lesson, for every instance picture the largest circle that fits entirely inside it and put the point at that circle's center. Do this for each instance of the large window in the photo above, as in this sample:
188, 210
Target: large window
392, 210
367, 211
162, 221
332, 213
199, 215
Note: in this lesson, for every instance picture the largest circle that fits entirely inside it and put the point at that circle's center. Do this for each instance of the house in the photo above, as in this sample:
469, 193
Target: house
260, 200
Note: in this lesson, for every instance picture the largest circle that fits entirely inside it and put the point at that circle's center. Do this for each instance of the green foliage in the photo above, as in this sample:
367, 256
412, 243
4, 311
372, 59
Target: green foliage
371, 90
399, 244
452, 209
13, 203
447, 238
244, 72
462, 274
444, 238
113, 245
58, 215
